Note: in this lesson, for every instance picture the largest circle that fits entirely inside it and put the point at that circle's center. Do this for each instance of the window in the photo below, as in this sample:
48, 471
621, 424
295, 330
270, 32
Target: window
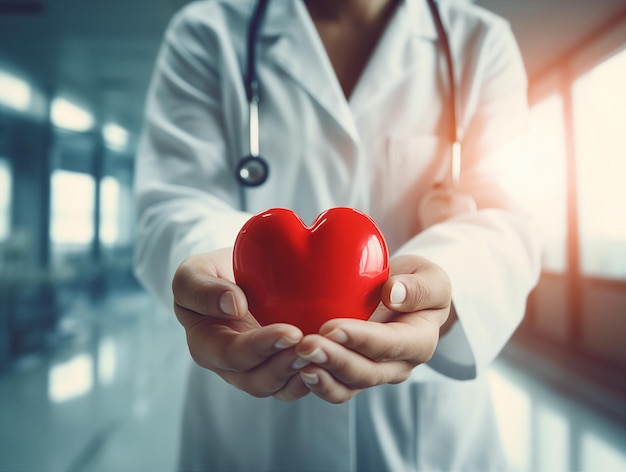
581, 309
599, 103
72, 210
115, 137
109, 205
5, 199
67, 115
547, 201
71, 379
15, 93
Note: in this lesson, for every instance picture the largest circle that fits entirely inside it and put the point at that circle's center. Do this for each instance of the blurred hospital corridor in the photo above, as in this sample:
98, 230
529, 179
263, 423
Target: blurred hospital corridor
93, 369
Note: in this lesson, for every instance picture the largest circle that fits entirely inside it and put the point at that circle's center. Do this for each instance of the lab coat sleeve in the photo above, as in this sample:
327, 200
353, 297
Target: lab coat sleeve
492, 255
187, 199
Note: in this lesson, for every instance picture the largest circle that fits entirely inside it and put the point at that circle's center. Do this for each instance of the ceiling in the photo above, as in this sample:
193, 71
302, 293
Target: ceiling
100, 53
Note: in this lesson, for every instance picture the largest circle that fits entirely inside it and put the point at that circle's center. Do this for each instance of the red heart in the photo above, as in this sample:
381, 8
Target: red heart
305, 276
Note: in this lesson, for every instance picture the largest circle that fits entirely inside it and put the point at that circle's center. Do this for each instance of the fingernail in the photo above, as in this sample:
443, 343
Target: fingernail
227, 304
338, 335
309, 379
317, 356
299, 363
398, 293
285, 342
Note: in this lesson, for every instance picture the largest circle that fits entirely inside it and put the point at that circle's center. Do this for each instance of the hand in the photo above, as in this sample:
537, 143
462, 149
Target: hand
351, 355
225, 338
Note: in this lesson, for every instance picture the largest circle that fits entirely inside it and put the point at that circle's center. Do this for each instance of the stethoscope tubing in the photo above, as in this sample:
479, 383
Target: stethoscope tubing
253, 170
456, 126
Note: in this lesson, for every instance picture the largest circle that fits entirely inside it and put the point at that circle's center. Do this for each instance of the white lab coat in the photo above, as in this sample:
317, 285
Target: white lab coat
379, 151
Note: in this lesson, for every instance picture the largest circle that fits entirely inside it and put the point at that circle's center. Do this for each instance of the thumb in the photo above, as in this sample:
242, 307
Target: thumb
205, 292
408, 293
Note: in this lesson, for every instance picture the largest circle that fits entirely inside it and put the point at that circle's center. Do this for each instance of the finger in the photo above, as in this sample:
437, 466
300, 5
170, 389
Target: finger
411, 337
267, 378
200, 286
293, 390
214, 344
325, 386
349, 367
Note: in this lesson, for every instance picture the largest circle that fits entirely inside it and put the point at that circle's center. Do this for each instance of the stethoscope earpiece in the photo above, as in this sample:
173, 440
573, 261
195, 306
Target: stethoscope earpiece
252, 171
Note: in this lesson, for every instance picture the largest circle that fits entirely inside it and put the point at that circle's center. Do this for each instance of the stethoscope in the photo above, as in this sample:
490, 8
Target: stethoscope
439, 203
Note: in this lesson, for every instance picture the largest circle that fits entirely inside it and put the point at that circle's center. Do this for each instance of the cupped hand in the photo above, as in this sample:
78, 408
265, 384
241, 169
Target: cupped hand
225, 338
351, 355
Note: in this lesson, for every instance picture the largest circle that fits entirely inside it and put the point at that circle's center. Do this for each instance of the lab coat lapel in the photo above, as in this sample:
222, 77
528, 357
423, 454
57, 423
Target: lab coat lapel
298, 50
397, 53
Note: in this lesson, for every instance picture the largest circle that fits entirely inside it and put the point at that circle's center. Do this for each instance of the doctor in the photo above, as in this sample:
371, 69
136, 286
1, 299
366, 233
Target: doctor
354, 111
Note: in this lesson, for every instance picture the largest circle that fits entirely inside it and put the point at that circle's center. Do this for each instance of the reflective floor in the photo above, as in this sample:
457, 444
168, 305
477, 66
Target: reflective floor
109, 401
109, 397
544, 429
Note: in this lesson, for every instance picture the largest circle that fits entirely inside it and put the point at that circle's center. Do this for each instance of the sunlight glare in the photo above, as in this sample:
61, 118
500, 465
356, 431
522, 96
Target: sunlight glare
67, 115
72, 207
513, 412
600, 131
71, 379
110, 201
5, 199
15, 93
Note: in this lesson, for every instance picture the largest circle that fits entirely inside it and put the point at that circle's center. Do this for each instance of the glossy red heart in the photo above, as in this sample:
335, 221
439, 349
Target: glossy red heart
305, 276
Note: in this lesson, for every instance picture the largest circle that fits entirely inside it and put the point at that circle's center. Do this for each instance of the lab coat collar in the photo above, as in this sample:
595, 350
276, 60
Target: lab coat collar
280, 17
419, 19
294, 45
397, 54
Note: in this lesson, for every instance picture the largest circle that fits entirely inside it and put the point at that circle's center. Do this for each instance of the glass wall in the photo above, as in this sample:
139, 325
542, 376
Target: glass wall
547, 199
66, 214
578, 163
599, 106
578, 125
